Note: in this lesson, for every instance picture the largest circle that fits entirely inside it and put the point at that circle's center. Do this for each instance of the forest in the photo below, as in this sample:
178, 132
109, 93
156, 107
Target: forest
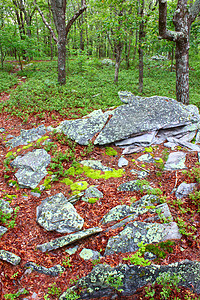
72, 61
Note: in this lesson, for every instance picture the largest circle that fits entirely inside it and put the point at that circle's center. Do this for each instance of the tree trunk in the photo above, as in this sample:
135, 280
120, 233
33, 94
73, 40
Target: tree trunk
140, 50
117, 52
182, 72
183, 18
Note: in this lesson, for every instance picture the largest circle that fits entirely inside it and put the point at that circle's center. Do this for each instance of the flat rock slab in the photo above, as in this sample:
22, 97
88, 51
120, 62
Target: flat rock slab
145, 115
27, 136
56, 213
136, 232
175, 161
96, 283
10, 257
122, 162
83, 130
145, 139
53, 271
95, 164
69, 239
184, 189
32, 161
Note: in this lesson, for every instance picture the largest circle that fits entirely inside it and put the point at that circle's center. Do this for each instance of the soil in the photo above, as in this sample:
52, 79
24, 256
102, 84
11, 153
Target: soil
27, 233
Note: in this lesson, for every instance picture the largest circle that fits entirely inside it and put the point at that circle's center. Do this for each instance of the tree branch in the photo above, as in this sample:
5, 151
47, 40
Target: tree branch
73, 19
195, 10
163, 31
45, 22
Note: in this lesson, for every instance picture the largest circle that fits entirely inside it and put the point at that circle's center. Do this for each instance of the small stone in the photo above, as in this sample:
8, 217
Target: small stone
5, 207
72, 250
122, 162
184, 189
10, 257
92, 192
146, 158
87, 254
2, 230
2, 129
176, 161
53, 271
38, 195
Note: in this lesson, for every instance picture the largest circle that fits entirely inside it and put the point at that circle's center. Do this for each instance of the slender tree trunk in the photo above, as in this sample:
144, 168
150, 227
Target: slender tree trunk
118, 52
182, 71
141, 42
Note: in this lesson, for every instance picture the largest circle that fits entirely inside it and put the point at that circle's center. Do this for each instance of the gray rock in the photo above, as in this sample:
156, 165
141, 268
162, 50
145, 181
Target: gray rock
136, 232
184, 189
68, 239
2, 129
146, 158
87, 254
96, 283
30, 179
116, 213
126, 97
72, 250
170, 145
140, 174
32, 161
2, 230
53, 271
5, 207
199, 157
134, 185
92, 192
31, 168
107, 62
10, 257
56, 213
95, 164
83, 130
38, 195
145, 115
132, 149
145, 139
27, 136
122, 162
176, 161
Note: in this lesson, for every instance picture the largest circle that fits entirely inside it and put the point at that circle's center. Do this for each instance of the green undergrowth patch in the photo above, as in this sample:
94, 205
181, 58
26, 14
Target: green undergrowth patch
110, 151
7, 80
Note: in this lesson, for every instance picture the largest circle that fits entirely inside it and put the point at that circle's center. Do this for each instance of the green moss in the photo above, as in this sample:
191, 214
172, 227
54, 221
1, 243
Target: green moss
110, 151
43, 138
92, 200
9, 154
67, 181
149, 149
79, 186
47, 182
26, 147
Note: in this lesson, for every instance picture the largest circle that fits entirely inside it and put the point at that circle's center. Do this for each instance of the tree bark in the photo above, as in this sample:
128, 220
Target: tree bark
140, 49
183, 18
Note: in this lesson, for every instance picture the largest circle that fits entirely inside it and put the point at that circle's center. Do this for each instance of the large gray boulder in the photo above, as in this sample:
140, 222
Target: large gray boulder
99, 282
145, 115
83, 130
56, 213
137, 232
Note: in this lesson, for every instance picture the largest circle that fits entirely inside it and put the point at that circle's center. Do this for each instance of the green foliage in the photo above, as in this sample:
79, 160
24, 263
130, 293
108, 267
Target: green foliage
79, 186
137, 258
195, 197
115, 281
110, 151
92, 200
66, 262
16, 295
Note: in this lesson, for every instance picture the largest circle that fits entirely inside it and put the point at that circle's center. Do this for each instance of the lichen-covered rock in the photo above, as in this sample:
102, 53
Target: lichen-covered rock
2, 230
30, 179
98, 283
87, 254
27, 136
95, 164
32, 161
131, 186
146, 158
136, 232
31, 168
56, 213
68, 239
92, 192
83, 130
116, 213
144, 115
184, 189
5, 207
176, 161
10, 257
53, 271
140, 174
